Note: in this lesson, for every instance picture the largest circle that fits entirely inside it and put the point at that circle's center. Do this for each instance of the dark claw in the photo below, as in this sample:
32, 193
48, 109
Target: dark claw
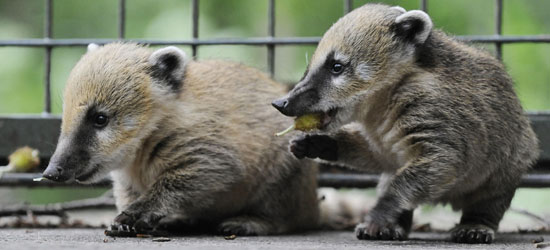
126, 228
124, 218
488, 238
461, 234
398, 236
375, 232
472, 234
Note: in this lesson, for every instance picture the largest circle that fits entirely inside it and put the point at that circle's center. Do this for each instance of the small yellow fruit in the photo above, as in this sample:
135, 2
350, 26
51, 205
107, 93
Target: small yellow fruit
24, 159
306, 122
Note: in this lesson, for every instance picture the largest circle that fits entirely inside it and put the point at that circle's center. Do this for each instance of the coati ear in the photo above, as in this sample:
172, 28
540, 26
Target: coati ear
414, 26
168, 66
398, 8
92, 47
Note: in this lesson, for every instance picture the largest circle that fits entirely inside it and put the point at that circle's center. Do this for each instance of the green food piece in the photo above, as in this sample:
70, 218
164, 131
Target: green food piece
38, 179
304, 123
308, 122
24, 159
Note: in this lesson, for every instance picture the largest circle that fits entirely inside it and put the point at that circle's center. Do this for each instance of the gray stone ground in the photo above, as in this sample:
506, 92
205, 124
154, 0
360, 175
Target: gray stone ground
36, 239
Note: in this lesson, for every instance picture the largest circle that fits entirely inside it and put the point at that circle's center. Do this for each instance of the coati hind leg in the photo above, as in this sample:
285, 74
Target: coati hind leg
247, 226
480, 220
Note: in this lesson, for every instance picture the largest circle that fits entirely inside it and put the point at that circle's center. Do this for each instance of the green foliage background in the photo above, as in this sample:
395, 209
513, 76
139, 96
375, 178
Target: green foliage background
22, 71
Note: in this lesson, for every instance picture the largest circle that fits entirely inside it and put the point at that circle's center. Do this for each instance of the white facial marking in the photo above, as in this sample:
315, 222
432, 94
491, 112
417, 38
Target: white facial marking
129, 122
339, 81
341, 57
364, 71
319, 60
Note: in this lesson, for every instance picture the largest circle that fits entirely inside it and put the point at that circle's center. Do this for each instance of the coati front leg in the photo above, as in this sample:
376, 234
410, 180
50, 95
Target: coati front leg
348, 147
424, 178
201, 190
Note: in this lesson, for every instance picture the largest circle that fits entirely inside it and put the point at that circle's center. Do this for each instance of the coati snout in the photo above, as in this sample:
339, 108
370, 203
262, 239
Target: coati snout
297, 104
68, 165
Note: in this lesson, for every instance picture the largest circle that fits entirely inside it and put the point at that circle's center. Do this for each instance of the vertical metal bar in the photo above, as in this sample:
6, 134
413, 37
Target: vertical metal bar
498, 28
424, 5
48, 57
271, 34
195, 24
121, 19
348, 6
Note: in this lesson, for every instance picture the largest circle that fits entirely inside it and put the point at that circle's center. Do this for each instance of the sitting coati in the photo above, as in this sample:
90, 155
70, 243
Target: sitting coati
439, 118
189, 144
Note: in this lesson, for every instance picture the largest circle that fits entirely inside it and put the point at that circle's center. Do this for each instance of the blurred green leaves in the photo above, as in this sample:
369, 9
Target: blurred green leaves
22, 69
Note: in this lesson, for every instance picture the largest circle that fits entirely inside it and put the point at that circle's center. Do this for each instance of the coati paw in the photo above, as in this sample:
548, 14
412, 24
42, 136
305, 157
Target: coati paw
372, 230
315, 146
140, 222
472, 234
243, 227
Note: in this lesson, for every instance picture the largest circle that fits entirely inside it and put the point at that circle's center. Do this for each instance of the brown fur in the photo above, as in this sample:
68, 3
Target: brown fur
439, 117
186, 152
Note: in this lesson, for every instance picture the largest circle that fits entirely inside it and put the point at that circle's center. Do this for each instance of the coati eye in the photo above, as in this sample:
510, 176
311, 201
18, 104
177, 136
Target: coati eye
100, 120
337, 68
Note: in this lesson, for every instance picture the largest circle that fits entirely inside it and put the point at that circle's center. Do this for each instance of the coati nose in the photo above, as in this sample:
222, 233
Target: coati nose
280, 104
54, 172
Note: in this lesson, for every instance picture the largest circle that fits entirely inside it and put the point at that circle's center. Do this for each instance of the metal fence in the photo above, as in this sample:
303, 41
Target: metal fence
541, 120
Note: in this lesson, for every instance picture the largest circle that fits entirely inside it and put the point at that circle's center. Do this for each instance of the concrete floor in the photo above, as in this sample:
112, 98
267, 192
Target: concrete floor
36, 239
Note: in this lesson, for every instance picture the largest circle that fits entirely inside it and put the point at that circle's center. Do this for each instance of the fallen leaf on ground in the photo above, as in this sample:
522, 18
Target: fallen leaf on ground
230, 237
161, 239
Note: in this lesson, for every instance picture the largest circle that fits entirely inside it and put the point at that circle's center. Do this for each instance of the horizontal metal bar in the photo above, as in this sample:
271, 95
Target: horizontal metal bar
228, 41
26, 180
347, 180
258, 41
370, 180
42, 133
57, 209
534, 180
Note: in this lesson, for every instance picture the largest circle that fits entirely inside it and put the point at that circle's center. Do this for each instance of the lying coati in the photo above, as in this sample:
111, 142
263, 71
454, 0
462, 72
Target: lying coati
188, 143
